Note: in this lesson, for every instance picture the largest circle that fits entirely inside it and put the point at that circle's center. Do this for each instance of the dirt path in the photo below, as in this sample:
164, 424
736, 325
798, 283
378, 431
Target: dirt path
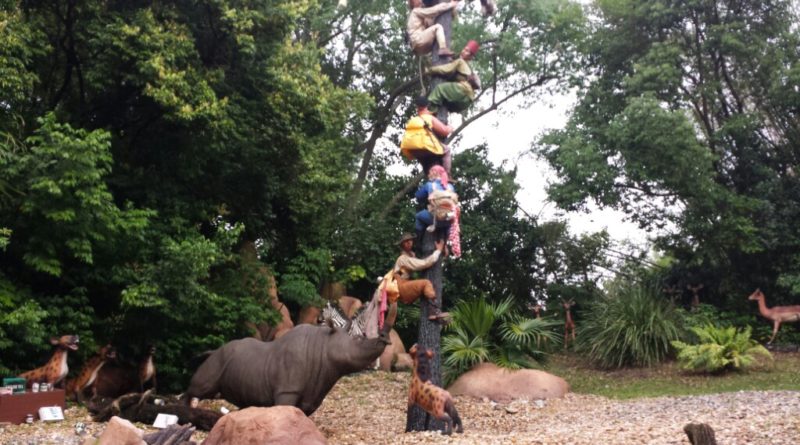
370, 409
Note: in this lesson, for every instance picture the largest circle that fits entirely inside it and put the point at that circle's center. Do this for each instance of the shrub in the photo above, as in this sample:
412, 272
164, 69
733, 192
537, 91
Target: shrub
631, 326
492, 332
719, 349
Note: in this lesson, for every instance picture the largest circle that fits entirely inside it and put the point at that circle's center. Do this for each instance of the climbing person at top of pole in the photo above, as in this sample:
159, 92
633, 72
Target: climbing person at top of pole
488, 7
458, 92
422, 30
423, 138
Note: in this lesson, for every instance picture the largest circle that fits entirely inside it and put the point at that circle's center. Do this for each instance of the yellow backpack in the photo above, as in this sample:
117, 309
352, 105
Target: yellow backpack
419, 136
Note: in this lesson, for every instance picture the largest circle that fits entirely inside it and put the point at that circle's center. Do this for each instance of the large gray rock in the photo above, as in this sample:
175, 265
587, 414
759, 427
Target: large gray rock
488, 380
121, 432
279, 425
390, 354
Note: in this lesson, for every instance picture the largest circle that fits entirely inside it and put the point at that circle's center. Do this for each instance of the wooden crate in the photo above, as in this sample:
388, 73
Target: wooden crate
14, 407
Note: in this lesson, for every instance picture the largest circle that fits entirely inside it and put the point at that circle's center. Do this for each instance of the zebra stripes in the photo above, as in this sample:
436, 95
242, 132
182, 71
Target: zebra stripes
337, 318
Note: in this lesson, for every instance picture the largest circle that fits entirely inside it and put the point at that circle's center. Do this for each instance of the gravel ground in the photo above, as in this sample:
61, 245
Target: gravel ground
369, 408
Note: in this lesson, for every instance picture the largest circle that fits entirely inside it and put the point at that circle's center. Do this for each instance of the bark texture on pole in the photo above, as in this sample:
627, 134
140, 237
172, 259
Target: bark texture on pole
429, 334
446, 20
700, 434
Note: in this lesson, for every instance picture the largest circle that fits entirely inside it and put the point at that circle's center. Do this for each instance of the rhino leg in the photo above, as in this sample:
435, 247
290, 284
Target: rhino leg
289, 399
205, 382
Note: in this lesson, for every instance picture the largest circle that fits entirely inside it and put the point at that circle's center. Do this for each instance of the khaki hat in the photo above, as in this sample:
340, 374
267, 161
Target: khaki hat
406, 236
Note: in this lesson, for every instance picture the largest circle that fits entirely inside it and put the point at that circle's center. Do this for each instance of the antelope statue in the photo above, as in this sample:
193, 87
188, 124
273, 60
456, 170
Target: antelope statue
54, 371
147, 369
777, 314
537, 310
695, 290
569, 323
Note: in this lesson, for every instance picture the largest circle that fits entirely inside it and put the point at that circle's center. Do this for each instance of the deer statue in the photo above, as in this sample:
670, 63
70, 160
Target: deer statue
85, 379
777, 314
569, 323
695, 290
671, 291
147, 370
54, 371
537, 310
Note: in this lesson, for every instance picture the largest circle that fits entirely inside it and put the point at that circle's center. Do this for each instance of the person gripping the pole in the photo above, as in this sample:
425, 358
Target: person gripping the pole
458, 91
424, 136
422, 29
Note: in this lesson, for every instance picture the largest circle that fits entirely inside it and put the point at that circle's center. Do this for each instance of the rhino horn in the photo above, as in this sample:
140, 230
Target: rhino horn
391, 317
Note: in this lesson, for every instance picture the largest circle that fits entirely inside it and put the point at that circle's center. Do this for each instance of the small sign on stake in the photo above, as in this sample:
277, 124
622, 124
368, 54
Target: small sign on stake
51, 413
165, 420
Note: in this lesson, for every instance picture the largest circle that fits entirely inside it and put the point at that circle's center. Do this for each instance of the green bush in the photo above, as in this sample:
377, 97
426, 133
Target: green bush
719, 349
492, 332
631, 326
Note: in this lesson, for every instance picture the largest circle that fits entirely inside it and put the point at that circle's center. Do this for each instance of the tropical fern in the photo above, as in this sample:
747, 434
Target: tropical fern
720, 349
492, 332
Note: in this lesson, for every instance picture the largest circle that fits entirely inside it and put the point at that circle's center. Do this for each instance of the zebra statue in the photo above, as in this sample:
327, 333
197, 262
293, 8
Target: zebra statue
334, 314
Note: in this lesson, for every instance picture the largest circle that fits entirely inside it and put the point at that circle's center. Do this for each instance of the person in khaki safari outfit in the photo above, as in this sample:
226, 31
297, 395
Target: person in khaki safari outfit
410, 290
422, 30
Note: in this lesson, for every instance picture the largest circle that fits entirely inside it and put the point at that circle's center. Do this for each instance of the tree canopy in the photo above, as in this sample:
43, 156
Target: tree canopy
146, 147
687, 121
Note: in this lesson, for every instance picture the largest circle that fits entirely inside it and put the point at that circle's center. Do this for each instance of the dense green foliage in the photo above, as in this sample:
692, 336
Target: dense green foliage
142, 145
482, 331
165, 166
631, 326
719, 349
160, 163
687, 121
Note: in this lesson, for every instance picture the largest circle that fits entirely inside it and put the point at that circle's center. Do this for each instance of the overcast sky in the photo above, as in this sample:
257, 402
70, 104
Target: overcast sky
510, 133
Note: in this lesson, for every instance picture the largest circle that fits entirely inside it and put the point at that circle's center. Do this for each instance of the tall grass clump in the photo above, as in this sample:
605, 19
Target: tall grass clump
632, 325
482, 331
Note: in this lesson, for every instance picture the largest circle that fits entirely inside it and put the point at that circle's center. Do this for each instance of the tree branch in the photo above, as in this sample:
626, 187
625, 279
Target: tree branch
539, 82
399, 195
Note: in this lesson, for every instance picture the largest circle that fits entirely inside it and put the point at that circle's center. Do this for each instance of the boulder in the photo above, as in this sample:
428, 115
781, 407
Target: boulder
350, 305
308, 315
278, 425
389, 355
121, 432
265, 332
404, 362
501, 385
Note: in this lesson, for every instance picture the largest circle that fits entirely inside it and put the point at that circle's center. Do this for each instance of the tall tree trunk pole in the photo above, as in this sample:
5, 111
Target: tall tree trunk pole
430, 333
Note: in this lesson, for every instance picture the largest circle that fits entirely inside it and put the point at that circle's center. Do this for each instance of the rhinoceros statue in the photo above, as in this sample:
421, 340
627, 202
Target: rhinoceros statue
297, 369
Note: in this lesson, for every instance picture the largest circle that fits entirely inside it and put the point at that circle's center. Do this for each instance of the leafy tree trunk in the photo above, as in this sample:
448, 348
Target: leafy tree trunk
430, 333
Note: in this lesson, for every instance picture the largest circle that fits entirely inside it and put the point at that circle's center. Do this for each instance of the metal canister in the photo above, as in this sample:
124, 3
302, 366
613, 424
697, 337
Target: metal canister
35, 387
43, 387
29, 418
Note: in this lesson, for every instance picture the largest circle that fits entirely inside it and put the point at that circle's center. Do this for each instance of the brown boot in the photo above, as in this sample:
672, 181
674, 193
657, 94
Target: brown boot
435, 314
